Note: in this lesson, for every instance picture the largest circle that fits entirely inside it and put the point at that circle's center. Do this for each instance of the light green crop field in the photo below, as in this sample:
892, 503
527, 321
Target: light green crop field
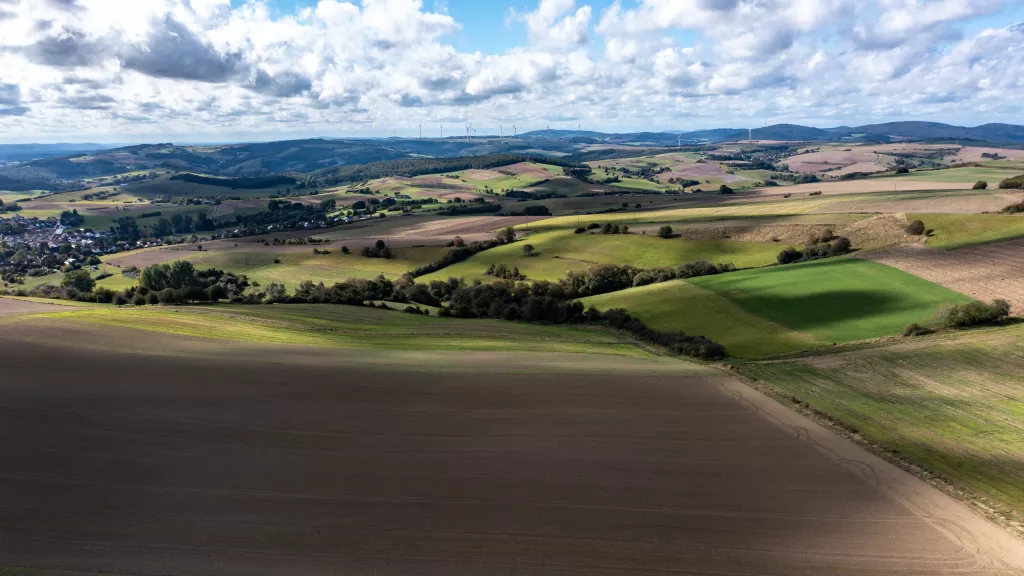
354, 327
559, 252
294, 267
952, 403
639, 184
116, 282
678, 305
784, 207
963, 175
961, 230
834, 300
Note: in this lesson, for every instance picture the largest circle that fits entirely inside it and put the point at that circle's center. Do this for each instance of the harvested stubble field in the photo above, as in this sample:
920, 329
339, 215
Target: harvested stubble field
193, 456
951, 403
983, 272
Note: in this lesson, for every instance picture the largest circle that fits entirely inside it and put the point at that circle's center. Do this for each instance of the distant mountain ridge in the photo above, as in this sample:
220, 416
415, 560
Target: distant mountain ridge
912, 130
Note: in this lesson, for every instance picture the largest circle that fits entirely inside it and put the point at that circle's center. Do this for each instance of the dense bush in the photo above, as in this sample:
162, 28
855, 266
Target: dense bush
916, 228
980, 185
723, 189
916, 329
665, 232
1012, 183
816, 249
973, 314
378, 250
80, 280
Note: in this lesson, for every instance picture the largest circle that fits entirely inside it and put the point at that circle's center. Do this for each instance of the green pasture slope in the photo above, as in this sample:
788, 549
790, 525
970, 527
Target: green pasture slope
782, 309
678, 305
834, 300
294, 267
951, 403
561, 251
962, 230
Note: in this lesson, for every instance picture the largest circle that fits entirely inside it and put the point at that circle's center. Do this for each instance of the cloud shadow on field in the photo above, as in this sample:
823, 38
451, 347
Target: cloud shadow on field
807, 312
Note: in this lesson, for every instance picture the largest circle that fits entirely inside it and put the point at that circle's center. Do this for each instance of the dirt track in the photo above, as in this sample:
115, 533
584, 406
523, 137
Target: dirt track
233, 463
983, 272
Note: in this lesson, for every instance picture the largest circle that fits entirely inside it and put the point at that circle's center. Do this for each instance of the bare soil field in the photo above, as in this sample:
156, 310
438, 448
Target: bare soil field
865, 234
862, 186
238, 463
12, 307
974, 154
983, 272
701, 171
962, 204
856, 160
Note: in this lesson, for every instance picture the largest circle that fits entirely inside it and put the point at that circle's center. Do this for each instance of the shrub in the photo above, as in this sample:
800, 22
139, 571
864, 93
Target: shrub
593, 226
665, 232
903, 170
973, 314
120, 300
139, 300
838, 247
1014, 208
580, 230
152, 298
104, 295
790, 255
815, 193
529, 250
916, 329
916, 228
345, 250
723, 189
980, 185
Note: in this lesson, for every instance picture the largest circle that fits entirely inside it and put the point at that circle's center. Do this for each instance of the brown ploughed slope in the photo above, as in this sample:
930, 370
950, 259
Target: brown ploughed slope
252, 464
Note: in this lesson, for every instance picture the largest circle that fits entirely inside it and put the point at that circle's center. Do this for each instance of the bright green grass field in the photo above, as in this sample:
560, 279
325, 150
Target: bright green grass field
559, 252
965, 175
952, 404
834, 300
294, 267
678, 305
960, 230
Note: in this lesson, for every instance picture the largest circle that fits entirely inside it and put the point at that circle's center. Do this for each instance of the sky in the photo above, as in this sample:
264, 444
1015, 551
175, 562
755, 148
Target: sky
132, 71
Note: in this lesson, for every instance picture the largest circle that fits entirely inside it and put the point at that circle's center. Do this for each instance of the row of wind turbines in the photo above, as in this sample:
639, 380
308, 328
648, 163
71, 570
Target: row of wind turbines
471, 132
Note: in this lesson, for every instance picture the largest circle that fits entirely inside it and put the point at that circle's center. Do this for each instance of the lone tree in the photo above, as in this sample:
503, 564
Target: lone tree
665, 232
528, 250
80, 280
723, 189
980, 185
916, 228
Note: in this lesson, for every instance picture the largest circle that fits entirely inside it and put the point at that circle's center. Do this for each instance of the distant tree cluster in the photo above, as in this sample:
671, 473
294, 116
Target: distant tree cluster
823, 244
503, 272
71, 218
239, 183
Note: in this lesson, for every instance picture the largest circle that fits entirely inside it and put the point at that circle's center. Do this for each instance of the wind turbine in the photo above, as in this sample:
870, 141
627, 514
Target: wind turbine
421, 131
515, 134
442, 131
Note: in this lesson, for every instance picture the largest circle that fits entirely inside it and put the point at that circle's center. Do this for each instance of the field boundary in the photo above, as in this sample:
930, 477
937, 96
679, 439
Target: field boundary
980, 505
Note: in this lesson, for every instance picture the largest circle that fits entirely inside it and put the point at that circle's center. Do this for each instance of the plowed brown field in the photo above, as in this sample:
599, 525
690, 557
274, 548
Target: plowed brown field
257, 463
982, 272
